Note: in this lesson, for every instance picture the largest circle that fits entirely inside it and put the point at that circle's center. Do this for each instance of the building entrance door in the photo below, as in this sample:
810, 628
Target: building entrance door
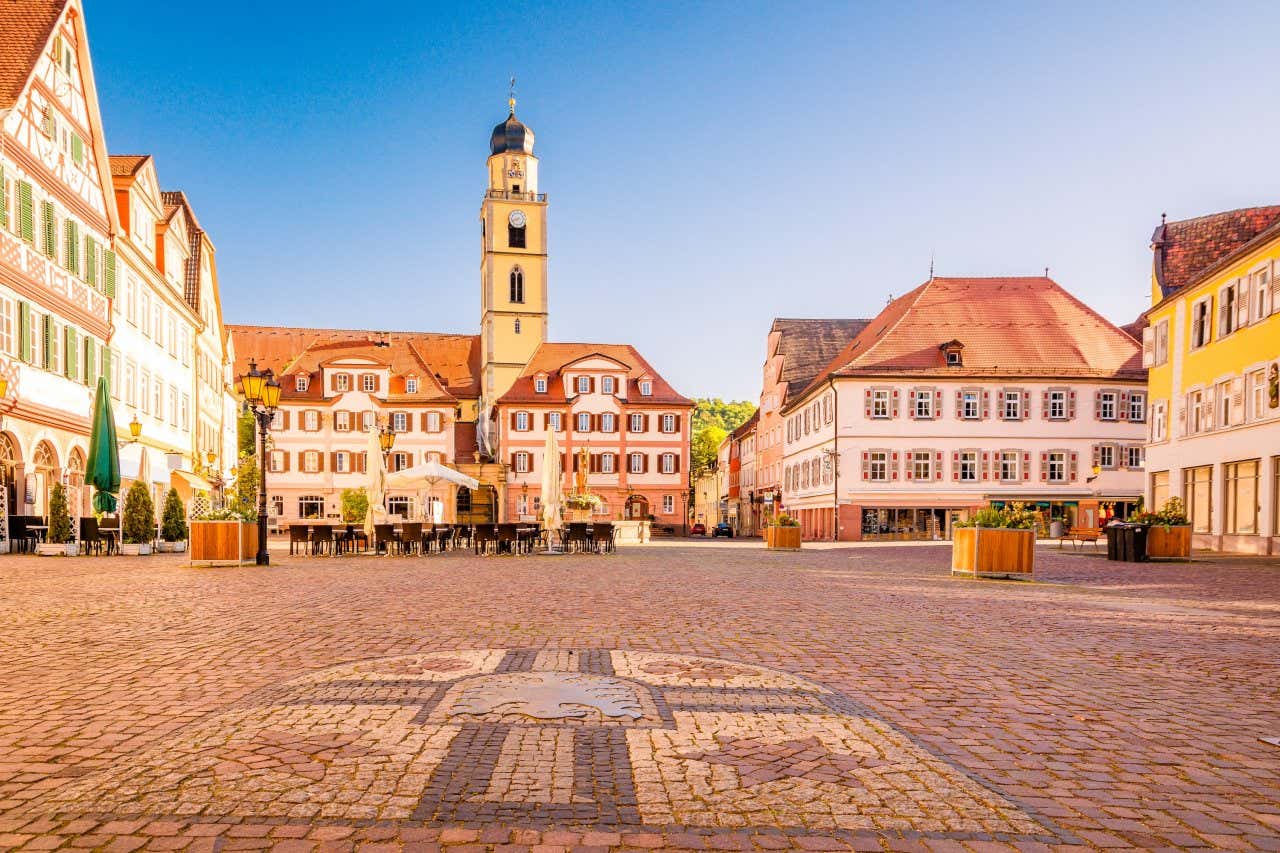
637, 508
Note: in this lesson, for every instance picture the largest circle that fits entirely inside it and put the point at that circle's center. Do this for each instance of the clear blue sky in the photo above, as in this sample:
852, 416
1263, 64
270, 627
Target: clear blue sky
709, 168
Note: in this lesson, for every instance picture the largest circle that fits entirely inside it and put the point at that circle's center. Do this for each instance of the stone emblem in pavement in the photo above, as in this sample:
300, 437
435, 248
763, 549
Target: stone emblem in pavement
583, 737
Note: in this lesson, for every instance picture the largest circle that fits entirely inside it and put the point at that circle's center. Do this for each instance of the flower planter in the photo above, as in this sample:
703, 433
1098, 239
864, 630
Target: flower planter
782, 538
993, 552
1171, 542
223, 542
171, 547
129, 549
47, 549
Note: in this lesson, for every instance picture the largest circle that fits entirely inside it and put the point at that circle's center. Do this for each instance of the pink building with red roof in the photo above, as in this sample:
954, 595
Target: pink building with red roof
963, 393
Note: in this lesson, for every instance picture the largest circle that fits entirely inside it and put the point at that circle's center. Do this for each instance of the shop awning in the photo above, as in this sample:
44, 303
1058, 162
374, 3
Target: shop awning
195, 481
131, 461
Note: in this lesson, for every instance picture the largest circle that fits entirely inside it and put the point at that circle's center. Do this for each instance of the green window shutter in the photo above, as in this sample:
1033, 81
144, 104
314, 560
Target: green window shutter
69, 352
26, 223
73, 247
50, 229
24, 331
4, 201
90, 361
106, 364
77, 148
48, 342
109, 273
90, 260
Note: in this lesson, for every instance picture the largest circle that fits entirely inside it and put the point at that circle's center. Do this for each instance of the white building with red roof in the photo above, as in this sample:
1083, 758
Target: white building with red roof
964, 393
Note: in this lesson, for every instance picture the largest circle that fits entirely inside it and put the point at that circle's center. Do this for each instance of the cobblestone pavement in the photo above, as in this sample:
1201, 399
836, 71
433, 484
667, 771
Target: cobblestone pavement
682, 696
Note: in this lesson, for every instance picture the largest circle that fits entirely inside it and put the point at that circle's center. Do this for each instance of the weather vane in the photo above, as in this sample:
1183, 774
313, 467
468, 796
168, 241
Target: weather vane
511, 96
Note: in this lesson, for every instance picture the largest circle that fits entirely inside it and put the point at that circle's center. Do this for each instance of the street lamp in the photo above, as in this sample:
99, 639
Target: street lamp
135, 428
386, 441
261, 399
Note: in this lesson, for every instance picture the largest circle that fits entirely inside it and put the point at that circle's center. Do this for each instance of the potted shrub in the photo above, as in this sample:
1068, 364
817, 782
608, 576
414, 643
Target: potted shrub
173, 524
60, 540
997, 543
1168, 531
782, 533
138, 526
355, 505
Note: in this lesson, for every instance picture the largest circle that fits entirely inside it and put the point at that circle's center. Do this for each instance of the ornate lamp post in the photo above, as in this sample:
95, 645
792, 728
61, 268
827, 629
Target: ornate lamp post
386, 440
261, 398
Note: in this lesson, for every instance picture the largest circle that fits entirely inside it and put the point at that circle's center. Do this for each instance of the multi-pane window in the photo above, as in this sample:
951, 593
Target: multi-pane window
583, 422
341, 463
540, 385
1222, 397
924, 404
1137, 407
1009, 465
555, 420
366, 421
311, 461
968, 465
607, 422
144, 392
399, 422
1197, 495
970, 406
584, 384
668, 504
1261, 282
184, 412
522, 421
1160, 343
130, 383
607, 463
342, 421
277, 461
1057, 405
515, 289
1240, 481
1196, 420
921, 465
311, 420
368, 383
668, 423
1133, 456
157, 389
434, 422
1011, 405
878, 465
1107, 455
606, 385
173, 405
1057, 467
310, 506
1200, 330
880, 401
1107, 401
1227, 309
668, 463
8, 340
635, 463
342, 382
411, 385
277, 419
301, 383
646, 388
399, 461
522, 462
1257, 395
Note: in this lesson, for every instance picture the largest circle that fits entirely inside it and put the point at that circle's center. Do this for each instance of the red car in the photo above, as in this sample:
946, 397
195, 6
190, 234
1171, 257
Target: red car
698, 529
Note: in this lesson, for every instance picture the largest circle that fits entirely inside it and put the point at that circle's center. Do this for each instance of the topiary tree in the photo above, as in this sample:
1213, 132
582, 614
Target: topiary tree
138, 524
60, 532
355, 504
173, 523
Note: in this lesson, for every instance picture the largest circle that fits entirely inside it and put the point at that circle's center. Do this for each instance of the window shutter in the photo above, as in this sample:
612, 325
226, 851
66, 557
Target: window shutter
591, 384
1044, 404
677, 429
70, 349
676, 459
893, 466
26, 213
955, 464
1072, 475
1148, 346
90, 260
320, 461
1122, 411
646, 423
546, 420
71, 241
284, 460
1071, 405
77, 148
593, 462
895, 402
284, 420
1026, 466
907, 472
90, 362
937, 403
937, 465
1026, 404
866, 465
986, 459
1097, 454
48, 341
106, 367
24, 331
333, 461
645, 460
1097, 405
513, 462
1044, 467
109, 274
48, 226
866, 404
911, 404
513, 421
986, 404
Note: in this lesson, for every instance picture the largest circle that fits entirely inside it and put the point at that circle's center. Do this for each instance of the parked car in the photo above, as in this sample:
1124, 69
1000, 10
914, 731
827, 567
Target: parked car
722, 529
698, 529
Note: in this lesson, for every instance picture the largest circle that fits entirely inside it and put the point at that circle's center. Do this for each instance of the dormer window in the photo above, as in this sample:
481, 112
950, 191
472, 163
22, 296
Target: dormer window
540, 385
646, 388
953, 353
584, 384
606, 385
301, 383
342, 382
411, 385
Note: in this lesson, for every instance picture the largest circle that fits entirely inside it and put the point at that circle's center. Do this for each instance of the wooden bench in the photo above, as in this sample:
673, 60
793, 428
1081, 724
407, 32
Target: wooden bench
1081, 535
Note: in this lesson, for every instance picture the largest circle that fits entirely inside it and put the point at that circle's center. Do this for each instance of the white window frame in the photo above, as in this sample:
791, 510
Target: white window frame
1137, 406
1259, 294
1057, 462
1159, 421
924, 405
277, 461
881, 403
341, 383
311, 461
1201, 309
311, 420
1161, 343
607, 463
1258, 395
922, 465
646, 388
8, 326
1222, 404
342, 421
522, 421
968, 462
435, 422
1057, 405
399, 422
556, 421
522, 459
540, 385
878, 466
967, 397
606, 385
1009, 458
367, 420
301, 383
607, 422
584, 384
1107, 456
1111, 399
411, 385
368, 383
668, 423
635, 463
667, 463
668, 504
1134, 458
340, 463
1011, 404
582, 422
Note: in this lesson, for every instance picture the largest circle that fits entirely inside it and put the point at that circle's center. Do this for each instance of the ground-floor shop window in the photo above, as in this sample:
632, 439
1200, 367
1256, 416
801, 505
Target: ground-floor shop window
277, 505
1159, 489
1197, 494
1240, 485
310, 506
401, 506
902, 523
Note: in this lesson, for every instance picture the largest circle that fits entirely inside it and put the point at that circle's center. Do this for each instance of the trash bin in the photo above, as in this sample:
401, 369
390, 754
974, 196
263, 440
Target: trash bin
1127, 542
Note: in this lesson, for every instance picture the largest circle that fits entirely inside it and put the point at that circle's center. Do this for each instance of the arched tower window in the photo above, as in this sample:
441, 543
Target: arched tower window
517, 285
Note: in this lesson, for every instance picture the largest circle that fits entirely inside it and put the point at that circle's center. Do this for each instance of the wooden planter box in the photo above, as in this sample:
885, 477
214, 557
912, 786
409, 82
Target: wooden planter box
1169, 543
782, 538
991, 552
224, 542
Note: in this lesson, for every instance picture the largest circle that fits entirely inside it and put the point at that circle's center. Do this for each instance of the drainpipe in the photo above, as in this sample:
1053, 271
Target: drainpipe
835, 460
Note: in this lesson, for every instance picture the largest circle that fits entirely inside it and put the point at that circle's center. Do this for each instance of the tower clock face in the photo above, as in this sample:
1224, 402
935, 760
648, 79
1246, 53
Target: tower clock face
516, 219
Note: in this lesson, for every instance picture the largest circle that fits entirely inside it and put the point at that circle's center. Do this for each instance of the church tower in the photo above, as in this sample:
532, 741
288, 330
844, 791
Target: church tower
513, 260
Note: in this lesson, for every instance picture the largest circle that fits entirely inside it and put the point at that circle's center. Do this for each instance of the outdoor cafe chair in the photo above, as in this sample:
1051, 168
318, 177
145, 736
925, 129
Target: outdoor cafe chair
429, 536
577, 534
508, 538
298, 535
483, 536
322, 538
410, 536
384, 537
89, 538
356, 538
602, 538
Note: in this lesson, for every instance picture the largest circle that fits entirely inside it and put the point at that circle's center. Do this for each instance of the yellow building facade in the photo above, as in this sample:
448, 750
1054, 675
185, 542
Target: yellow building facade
1212, 347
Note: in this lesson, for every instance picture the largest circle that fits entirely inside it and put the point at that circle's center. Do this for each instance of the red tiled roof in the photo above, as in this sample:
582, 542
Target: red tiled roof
1187, 249
449, 363
746, 426
807, 345
25, 28
127, 165
552, 359
1009, 327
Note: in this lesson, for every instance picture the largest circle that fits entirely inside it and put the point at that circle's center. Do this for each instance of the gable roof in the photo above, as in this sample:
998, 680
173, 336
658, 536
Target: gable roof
174, 201
748, 426
1010, 327
450, 362
1187, 249
807, 345
127, 165
25, 28
553, 358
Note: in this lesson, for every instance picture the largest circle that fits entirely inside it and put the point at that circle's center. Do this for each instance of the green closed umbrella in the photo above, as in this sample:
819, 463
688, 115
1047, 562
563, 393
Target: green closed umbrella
104, 452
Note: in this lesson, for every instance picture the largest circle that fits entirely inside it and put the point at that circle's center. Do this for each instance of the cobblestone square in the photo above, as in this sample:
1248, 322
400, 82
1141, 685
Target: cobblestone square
678, 696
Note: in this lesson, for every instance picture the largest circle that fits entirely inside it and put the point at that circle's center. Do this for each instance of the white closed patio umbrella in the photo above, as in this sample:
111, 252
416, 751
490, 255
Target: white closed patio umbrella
376, 486
552, 478
429, 473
